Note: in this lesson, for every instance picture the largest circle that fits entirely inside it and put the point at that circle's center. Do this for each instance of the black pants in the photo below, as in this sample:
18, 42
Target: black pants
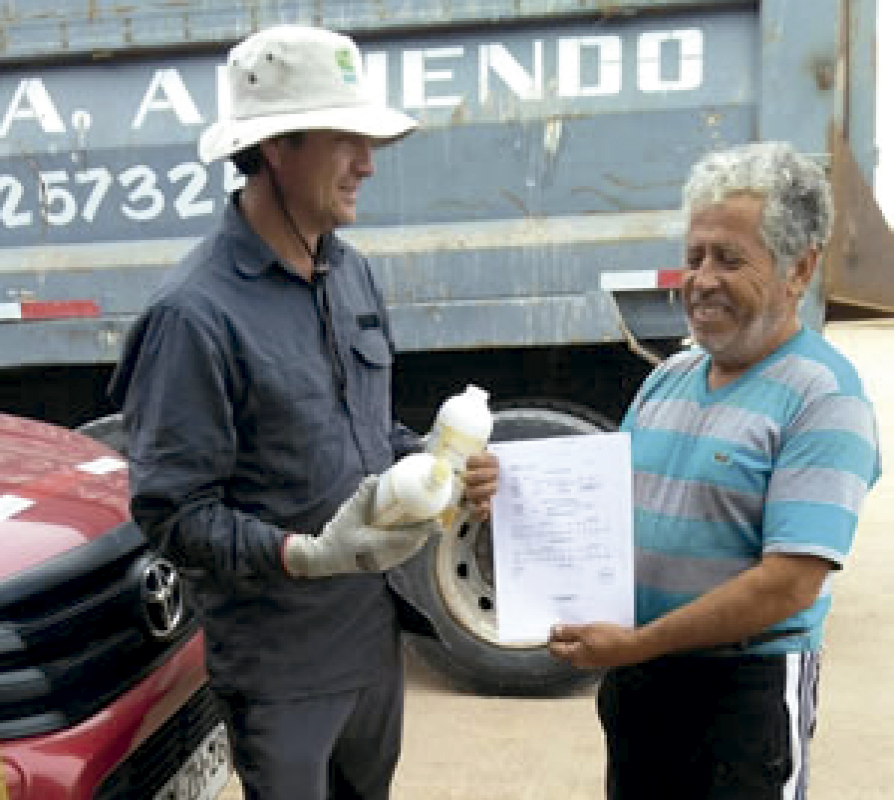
340, 746
709, 728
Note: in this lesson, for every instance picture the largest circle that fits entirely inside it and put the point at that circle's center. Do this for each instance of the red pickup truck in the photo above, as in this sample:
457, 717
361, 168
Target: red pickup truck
103, 690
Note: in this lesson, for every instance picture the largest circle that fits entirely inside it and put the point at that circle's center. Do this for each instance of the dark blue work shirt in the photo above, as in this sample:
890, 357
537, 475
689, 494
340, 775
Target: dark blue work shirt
250, 416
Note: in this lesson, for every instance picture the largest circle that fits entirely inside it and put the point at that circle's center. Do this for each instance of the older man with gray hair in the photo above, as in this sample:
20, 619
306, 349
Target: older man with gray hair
752, 454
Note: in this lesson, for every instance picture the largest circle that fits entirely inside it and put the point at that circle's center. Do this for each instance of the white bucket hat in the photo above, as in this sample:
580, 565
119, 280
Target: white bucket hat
292, 78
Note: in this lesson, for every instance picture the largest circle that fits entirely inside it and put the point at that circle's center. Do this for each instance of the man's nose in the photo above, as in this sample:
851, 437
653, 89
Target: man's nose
705, 275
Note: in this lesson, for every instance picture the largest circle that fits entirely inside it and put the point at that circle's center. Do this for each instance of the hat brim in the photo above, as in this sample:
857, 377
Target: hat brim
226, 137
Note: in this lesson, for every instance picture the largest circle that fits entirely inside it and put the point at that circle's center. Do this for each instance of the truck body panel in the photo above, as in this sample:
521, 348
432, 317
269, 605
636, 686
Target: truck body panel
551, 151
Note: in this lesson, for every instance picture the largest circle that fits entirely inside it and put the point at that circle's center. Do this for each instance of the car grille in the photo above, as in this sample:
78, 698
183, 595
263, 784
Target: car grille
73, 635
147, 769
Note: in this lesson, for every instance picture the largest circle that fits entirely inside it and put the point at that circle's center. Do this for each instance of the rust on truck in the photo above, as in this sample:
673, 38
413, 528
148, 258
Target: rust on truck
858, 268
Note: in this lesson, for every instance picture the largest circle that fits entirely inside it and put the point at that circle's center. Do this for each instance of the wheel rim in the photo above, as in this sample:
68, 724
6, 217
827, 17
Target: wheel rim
464, 573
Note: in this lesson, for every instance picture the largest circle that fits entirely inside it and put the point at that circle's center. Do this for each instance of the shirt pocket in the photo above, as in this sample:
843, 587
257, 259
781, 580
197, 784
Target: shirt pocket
371, 362
290, 400
292, 436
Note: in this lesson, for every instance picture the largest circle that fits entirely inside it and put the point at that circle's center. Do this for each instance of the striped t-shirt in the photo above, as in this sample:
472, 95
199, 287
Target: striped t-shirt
778, 461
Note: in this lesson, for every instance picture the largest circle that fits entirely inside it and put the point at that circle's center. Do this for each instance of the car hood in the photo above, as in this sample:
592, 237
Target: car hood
58, 490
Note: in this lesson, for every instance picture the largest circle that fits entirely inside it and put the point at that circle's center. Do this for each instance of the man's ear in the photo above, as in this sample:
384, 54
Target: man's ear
271, 150
801, 272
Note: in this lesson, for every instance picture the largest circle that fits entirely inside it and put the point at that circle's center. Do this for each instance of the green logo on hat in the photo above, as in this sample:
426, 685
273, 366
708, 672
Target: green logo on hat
346, 65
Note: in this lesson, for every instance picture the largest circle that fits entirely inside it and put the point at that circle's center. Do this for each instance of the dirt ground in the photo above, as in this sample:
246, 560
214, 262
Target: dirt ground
460, 747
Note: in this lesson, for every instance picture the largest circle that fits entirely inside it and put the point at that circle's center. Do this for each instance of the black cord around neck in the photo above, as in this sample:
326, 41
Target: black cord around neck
319, 267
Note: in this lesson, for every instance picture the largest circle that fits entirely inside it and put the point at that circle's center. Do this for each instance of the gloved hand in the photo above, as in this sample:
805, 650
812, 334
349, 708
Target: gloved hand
348, 544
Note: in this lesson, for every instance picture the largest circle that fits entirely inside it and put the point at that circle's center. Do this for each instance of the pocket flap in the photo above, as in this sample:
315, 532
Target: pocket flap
372, 347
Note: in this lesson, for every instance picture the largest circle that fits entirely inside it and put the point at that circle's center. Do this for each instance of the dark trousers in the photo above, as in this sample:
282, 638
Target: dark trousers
339, 746
709, 728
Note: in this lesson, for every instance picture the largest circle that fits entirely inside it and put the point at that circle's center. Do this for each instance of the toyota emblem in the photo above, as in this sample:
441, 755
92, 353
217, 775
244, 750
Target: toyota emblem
161, 595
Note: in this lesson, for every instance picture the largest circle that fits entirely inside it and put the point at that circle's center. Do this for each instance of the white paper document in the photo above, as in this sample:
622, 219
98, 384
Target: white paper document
562, 534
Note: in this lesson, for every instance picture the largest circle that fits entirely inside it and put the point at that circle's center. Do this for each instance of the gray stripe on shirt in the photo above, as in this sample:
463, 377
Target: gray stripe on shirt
836, 413
689, 575
803, 375
695, 500
817, 485
729, 423
698, 575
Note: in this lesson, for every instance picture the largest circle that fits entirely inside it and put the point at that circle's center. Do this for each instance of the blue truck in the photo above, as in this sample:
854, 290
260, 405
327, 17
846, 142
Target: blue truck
527, 238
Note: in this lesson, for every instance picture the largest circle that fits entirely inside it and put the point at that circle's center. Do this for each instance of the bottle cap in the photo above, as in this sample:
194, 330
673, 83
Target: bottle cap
476, 392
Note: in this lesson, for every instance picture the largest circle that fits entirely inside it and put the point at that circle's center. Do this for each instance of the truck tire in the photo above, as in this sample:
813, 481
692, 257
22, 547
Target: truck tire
108, 430
452, 580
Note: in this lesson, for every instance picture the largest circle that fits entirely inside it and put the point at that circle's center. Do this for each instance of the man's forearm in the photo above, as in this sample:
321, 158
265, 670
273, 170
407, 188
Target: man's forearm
775, 589
768, 593
204, 534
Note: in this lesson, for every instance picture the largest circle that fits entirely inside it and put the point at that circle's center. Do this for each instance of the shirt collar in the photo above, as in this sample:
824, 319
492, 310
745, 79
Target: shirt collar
252, 256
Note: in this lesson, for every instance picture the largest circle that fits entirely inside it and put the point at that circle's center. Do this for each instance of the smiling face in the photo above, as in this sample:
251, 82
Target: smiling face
321, 176
739, 307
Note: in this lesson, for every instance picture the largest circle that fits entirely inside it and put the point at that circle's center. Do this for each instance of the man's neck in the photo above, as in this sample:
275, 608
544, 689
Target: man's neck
723, 373
269, 221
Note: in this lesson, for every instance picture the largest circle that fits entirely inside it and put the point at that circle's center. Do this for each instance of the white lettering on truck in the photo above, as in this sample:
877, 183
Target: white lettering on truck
32, 101
650, 78
496, 58
176, 97
582, 67
167, 92
417, 75
608, 72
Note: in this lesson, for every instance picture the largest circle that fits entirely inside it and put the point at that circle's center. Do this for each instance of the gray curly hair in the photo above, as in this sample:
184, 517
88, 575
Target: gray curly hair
798, 208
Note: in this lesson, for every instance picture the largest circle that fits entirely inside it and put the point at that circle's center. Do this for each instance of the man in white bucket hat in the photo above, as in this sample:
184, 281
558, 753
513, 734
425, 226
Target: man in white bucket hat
256, 395
290, 78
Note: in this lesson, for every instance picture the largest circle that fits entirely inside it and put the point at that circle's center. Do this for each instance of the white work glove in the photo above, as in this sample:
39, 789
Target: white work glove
348, 544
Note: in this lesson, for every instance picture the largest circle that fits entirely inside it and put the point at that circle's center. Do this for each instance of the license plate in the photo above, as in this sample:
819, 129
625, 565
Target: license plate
205, 773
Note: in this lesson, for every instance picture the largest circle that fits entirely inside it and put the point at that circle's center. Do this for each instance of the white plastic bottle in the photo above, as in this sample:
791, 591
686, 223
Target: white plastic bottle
415, 488
462, 426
